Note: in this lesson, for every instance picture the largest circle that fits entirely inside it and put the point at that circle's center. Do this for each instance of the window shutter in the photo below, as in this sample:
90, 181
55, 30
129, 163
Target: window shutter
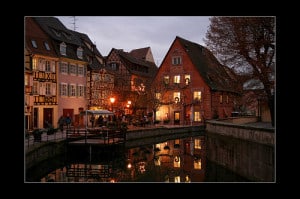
69, 90
53, 66
77, 90
60, 87
53, 86
59, 65
84, 90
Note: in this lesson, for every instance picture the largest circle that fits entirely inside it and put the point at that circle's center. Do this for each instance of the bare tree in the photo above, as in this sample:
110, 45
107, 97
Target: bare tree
248, 45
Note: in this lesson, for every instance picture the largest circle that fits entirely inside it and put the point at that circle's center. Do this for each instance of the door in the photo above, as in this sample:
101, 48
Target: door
48, 117
35, 117
68, 112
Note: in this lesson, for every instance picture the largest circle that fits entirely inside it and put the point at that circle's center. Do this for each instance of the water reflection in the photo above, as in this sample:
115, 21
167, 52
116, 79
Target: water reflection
176, 161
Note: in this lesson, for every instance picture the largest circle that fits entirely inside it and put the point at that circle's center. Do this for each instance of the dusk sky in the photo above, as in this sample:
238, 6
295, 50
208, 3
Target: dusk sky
132, 32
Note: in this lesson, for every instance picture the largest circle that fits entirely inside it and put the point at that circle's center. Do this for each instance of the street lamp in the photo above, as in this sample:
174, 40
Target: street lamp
112, 100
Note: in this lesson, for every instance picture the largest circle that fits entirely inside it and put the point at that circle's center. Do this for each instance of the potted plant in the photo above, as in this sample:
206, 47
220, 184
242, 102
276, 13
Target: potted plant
37, 135
156, 121
51, 130
166, 121
123, 126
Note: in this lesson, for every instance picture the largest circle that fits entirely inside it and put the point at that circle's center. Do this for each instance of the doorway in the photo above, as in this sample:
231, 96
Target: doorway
48, 117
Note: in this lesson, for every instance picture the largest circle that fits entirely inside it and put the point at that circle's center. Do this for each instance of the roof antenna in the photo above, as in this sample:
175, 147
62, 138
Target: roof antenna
74, 23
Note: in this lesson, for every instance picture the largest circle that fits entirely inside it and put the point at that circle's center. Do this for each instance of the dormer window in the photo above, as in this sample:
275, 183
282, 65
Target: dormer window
176, 60
46, 45
63, 49
33, 42
58, 34
79, 52
68, 36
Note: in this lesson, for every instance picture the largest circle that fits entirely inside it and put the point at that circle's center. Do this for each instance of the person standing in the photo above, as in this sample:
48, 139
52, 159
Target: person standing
68, 121
92, 120
61, 122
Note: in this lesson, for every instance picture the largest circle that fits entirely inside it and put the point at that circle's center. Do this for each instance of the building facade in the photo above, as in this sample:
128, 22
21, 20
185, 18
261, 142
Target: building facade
191, 85
71, 69
41, 103
133, 77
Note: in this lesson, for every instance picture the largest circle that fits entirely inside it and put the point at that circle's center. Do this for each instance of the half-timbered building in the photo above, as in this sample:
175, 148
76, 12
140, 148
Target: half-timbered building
41, 97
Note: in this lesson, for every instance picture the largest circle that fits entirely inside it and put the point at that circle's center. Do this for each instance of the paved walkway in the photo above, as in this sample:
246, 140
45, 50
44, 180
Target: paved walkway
267, 125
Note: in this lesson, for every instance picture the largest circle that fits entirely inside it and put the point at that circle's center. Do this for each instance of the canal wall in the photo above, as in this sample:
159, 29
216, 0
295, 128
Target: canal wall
245, 150
43, 151
141, 133
134, 137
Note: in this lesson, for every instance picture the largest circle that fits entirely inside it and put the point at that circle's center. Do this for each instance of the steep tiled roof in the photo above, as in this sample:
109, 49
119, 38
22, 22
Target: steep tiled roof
59, 33
213, 73
34, 33
85, 37
56, 30
139, 53
94, 64
152, 68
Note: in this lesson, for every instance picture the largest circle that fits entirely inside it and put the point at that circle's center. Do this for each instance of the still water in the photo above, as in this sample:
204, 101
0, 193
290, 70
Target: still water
175, 161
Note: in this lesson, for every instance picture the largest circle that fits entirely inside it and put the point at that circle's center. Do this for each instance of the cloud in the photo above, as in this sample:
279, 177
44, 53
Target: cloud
131, 32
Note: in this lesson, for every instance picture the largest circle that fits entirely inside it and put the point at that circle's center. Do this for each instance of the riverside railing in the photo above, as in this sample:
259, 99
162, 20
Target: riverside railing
33, 139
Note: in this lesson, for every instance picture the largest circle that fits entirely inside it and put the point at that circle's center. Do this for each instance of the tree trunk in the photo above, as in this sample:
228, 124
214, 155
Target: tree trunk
271, 107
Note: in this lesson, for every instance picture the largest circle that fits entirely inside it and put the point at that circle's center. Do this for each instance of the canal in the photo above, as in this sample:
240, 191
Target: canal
181, 160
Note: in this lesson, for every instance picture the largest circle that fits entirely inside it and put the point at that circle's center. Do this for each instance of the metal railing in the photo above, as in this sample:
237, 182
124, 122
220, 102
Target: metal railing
31, 140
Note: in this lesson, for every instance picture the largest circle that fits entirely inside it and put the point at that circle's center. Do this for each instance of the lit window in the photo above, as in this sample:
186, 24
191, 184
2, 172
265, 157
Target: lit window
176, 60
34, 64
197, 163
177, 79
158, 96
177, 161
177, 179
197, 117
197, 95
63, 49
33, 42
197, 144
46, 45
227, 99
221, 98
166, 79
187, 79
176, 96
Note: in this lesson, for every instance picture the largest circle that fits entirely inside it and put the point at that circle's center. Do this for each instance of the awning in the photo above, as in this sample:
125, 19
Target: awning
100, 112
97, 112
